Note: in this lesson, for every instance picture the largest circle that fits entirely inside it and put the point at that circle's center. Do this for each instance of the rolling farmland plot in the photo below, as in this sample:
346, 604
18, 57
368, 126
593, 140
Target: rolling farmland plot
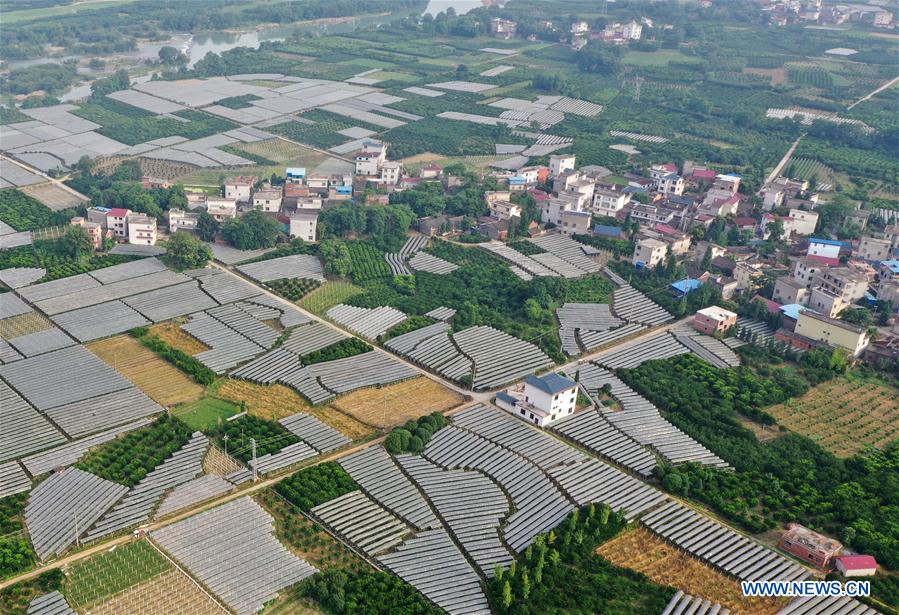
644, 552
171, 333
397, 403
843, 416
327, 296
159, 379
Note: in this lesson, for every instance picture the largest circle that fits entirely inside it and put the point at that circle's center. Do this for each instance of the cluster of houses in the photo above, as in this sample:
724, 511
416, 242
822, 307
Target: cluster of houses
783, 12
117, 224
824, 277
579, 32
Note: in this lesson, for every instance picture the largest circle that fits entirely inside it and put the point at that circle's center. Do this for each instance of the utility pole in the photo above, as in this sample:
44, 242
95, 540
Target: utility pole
75, 516
255, 471
225, 440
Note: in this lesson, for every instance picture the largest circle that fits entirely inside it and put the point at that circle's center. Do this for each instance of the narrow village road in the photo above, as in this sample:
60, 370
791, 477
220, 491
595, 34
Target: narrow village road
53, 180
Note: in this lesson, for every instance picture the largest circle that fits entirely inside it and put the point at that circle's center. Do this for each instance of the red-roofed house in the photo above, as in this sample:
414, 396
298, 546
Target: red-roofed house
704, 175
745, 222
430, 170
809, 546
117, 221
773, 306
856, 565
827, 260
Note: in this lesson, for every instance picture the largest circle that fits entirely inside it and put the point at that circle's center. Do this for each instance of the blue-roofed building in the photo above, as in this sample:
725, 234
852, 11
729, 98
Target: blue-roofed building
828, 248
612, 232
540, 400
296, 173
792, 310
889, 269
344, 190
685, 286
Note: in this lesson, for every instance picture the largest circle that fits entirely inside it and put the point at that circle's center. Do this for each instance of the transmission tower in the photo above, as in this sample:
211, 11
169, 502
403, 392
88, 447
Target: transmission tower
638, 84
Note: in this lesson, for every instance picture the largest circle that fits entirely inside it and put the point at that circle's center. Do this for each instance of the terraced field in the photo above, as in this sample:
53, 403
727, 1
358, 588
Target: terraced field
844, 416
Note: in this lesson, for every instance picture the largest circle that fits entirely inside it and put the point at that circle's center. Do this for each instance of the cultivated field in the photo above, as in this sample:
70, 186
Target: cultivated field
23, 324
51, 195
304, 537
397, 403
283, 151
93, 580
206, 412
844, 416
159, 379
277, 401
645, 552
172, 592
327, 296
171, 333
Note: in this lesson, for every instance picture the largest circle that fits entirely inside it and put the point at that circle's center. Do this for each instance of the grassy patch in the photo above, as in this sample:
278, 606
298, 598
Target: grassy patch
206, 413
325, 297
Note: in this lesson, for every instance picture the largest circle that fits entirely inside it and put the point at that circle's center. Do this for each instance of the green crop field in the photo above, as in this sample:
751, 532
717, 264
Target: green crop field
90, 581
206, 412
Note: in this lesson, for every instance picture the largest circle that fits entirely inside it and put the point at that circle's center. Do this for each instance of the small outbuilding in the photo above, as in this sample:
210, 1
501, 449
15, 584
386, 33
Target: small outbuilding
855, 565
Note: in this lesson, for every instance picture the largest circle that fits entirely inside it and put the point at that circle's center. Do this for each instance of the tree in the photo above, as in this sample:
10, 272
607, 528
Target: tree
207, 226
253, 231
171, 56
507, 594
184, 251
336, 257
76, 242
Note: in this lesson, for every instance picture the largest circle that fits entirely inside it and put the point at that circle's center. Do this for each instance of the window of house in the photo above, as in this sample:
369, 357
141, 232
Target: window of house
522, 412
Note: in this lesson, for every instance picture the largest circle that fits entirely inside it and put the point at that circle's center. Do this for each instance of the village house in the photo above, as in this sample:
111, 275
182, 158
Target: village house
141, 229
846, 282
826, 302
94, 230
503, 28
180, 220
619, 33
541, 400
430, 171
151, 183
747, 275
221, 208
811, 547
855, 565
678, 242
370, 158
649, 253
652, 214
240, 188
268, 199
608, 202
825, 248
117, 221
580, 28
440, 225
558, 164
303, 224
295, 175
391, 172
874, 249
574, 222
841, 334
800, 222
714, 319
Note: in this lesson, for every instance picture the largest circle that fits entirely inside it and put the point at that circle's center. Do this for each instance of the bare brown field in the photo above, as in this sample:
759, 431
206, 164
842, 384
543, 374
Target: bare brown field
171, 333
640, 550
23, 324
277, 401
160, 380
53, 196
844, 416
170, 592
218, 462
397, 403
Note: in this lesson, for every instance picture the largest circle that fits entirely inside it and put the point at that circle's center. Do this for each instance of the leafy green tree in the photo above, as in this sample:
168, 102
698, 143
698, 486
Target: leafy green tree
336, 257
507, 594
207, 226
184, 251
253, 231
76, 243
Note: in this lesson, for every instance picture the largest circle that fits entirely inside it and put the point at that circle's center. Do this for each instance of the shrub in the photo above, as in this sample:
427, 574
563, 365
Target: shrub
180, 359
414, 435
348, 347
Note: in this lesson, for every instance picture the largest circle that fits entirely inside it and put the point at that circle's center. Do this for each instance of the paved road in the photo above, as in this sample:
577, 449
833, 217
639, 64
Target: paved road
874, 93
783, 162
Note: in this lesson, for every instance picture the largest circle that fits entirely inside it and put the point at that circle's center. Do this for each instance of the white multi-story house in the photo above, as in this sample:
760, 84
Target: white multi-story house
541, 400
142, 230
801, 222
180, 220
825, 248
609, 202
670, 183
370, 158
579, 28
268, 199
240, 188
874, 249
221, 209
391, 172
117, 221
558, 164
303, 224
650, 252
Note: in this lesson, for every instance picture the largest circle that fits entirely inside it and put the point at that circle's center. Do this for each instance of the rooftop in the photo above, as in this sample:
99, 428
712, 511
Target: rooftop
827, 242
857, 562
551, 383
892, 265
686, 285
716, 312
